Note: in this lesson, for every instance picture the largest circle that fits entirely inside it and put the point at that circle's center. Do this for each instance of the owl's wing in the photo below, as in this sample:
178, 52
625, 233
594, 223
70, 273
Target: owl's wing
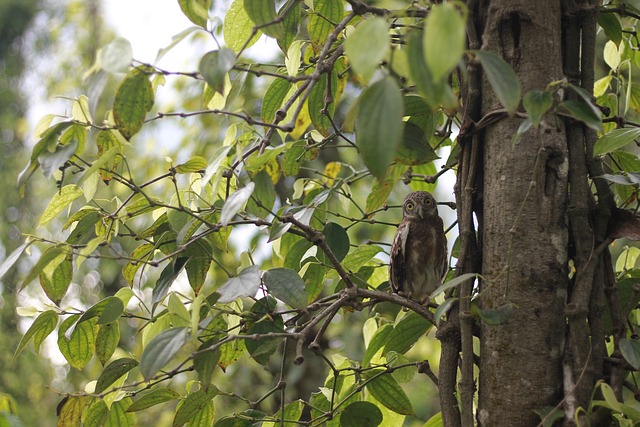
397, 257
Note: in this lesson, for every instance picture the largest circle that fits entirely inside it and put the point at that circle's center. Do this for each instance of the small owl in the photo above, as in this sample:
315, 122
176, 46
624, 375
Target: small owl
419, 250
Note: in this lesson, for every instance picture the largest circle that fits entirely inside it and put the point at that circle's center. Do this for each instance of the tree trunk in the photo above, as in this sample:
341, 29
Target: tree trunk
524, 228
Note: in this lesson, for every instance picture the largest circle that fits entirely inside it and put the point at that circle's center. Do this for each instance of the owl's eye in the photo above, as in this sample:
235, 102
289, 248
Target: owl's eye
428, 202
409, 206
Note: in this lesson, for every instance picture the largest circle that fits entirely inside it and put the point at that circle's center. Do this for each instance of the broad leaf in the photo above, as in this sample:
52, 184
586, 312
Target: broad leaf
368, 45
194, 164
238, 27
113, 371
287, 286
108, 310
245, 284
444, 40
537, 102
235, 203
386, 390
361, 414
503, 79
192, 405
154, 397
273, 99
379, 125
116, 57
167, 277
14, 257
77, 348
406, 333
263, 14
377, 342
453, 283
196, 10
70, 410
322, 19
133, 101
215, 65
615, 140
50, 162
40, 329
107, 341
583, 112
56, 284
160, 350
630, 350
60, 201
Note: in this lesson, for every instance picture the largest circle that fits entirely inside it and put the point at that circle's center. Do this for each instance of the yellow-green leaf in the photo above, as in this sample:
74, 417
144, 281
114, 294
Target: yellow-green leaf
60, 201
194, 164
196, 10
503, 79
44, 324
238, 27
215, 65
322, 19
368, 45
71, 409
133, 101
444, 39
79, 347
107, 341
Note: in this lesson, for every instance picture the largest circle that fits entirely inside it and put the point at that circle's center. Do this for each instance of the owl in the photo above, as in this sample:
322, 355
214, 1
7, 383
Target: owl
418, 261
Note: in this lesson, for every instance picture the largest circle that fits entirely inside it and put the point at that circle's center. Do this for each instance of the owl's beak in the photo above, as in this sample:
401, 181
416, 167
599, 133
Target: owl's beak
420, 212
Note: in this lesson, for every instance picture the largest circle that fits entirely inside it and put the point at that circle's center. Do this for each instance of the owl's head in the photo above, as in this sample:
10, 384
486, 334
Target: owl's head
419, 205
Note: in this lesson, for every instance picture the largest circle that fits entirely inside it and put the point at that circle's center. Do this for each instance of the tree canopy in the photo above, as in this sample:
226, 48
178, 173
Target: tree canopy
220, 256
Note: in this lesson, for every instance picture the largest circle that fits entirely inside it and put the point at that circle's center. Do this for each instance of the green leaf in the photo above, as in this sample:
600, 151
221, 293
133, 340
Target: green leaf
263, 14
361, 414
264, 195
615, 140
118, 416
503, 79
379, 125
97, 414
453, 283
414, 148
196, 10
582, 112
406, 333
133, 101
197, 270
235, 203
610, 23
154, 397
167, 277
630, 350
368, 45
143, 253
493, 316
160, 350
107, 341
386, 390
291, 23
40, 329
238, 27
338, 241
70, 410
50, 254
205, 362
215, 65
443, 309
113, 371
261, 349
325, 15
60, 201
194, 164
287, 286
109, 155
537, 102
444, 39
79, 347
292, 413
107, 311
245, 284
377, 342
294, 255
274, 98
56, 285
322, 105
193, 404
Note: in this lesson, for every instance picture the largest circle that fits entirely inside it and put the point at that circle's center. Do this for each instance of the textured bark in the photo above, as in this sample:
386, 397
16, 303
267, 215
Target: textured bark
525, 225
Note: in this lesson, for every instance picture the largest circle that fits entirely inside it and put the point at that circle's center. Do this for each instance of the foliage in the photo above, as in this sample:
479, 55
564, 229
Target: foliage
302, 159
